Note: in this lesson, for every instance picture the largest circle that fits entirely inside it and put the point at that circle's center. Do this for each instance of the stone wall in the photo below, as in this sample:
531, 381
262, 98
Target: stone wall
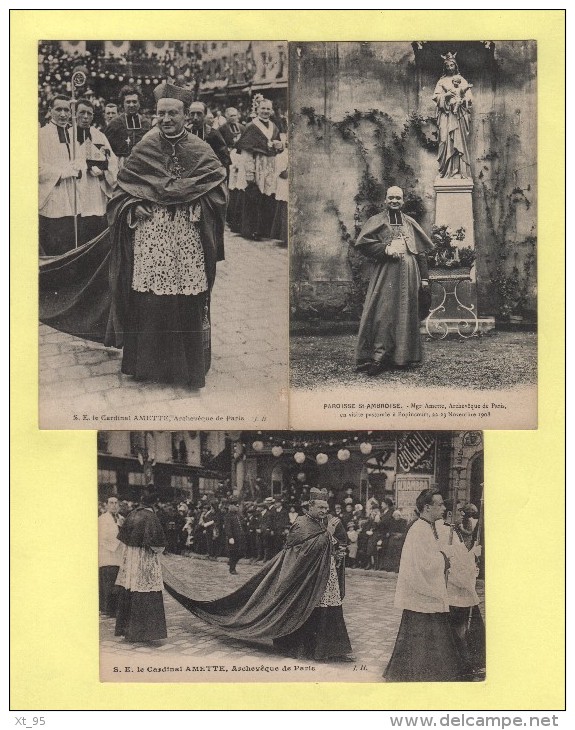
362, 118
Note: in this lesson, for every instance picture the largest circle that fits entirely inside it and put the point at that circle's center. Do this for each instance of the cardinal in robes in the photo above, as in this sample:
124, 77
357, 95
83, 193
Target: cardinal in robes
167, 220
140, 614
426, 649
389, 328
295, 599
259, 145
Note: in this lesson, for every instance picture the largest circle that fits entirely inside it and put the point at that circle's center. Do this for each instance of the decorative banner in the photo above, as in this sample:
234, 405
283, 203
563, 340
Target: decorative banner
72, 47
116, 48
416, 453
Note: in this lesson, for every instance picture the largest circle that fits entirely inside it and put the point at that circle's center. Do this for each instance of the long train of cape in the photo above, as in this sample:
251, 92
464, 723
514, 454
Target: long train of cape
75, 293
275, 601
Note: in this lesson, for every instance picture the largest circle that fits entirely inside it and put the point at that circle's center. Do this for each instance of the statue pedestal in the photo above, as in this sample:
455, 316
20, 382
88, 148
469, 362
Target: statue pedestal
453, 206
454, 291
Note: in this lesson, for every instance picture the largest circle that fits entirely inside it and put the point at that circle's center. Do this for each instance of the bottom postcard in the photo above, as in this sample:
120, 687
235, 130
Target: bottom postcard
284, 556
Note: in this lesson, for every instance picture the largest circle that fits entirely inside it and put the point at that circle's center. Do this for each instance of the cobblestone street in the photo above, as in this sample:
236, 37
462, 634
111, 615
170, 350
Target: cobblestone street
371, 619
249, 356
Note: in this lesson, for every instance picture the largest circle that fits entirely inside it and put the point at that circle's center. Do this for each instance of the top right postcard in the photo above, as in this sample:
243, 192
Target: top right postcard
413, 222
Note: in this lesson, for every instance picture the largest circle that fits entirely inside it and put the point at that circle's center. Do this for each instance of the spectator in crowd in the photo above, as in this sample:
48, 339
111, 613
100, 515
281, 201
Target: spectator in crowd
109, 554
352, 536
218, 119
374, 532
279, 525
234, 535
259, 145
125, 130
397, 531
362, 540
198, 126
99, 172
266, 526
292, 514
231, 132
211, 524
110, 112
347, 515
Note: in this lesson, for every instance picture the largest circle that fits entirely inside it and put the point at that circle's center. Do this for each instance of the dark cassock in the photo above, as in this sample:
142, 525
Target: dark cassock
125, 131
295, 599
390, 323
216, 142
234, 535
163, 268
425, 648
231, 132
259, 145
140, 614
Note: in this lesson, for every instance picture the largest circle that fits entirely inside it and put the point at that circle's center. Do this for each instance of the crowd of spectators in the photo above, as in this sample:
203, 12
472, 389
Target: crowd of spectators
375, 529
108, 73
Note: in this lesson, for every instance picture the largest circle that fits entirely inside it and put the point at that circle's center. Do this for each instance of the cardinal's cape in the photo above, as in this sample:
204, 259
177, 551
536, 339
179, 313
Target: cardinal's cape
85, 291
279, 598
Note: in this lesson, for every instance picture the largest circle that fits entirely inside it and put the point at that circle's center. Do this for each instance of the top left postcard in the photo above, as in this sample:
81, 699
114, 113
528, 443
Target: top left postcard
163, 193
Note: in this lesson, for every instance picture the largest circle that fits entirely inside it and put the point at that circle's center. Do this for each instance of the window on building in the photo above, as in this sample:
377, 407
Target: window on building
103, 442
107, 478
137, 479
137, 442
179, 449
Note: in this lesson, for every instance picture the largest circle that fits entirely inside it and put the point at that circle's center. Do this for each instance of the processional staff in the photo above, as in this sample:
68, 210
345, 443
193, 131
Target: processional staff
79, 77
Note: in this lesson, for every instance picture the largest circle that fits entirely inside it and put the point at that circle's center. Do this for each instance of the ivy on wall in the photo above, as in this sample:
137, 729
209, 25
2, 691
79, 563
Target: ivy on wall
391, 147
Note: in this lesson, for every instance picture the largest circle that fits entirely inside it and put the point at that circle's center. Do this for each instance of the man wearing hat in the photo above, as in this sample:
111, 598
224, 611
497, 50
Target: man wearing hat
167, 220
295, 599
266, 530
234, 535
280, 525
